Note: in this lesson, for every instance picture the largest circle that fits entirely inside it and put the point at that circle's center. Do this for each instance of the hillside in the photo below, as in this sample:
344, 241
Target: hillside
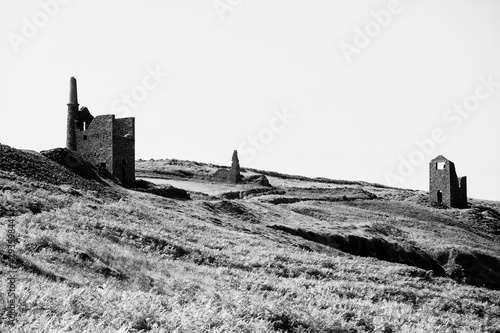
304, 255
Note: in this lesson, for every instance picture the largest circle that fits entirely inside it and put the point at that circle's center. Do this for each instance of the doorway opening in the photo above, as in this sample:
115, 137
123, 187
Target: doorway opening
439, 197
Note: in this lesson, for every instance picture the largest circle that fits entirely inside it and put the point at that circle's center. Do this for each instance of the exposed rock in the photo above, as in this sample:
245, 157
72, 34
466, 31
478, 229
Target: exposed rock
258, 179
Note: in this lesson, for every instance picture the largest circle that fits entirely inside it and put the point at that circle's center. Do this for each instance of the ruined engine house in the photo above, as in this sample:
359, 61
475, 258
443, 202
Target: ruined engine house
105, 141
444, 185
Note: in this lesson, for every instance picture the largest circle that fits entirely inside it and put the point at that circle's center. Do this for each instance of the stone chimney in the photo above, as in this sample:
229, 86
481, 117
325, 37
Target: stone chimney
234, 174
72, 114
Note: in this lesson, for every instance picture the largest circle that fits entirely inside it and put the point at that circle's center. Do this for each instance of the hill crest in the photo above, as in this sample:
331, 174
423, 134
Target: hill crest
383, 244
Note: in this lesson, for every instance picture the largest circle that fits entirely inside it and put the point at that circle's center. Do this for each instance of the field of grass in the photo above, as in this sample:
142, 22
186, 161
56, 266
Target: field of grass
143, 263
210, 189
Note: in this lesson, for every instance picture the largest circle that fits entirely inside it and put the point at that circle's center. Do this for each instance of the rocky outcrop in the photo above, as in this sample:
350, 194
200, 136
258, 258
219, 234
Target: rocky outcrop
258, 179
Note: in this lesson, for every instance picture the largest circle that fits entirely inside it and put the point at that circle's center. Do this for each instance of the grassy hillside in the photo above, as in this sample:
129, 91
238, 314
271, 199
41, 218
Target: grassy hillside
306, 255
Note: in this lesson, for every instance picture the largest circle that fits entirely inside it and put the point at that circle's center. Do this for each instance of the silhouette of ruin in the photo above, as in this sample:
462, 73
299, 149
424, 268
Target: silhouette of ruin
444, 185
105, 141
234, 173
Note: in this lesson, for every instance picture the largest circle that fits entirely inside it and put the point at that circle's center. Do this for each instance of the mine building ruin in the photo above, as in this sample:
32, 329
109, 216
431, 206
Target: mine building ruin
234, 173
105, 141
444, 185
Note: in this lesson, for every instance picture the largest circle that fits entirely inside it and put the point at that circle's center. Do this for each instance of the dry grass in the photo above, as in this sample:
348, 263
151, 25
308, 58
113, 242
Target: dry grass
152, 264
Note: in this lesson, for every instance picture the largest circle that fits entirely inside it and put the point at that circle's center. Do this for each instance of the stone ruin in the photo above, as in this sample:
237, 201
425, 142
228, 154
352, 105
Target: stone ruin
444, 186
105, 141
234, 173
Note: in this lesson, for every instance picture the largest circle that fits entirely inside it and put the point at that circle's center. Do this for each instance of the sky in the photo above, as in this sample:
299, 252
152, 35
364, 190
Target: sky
356, 90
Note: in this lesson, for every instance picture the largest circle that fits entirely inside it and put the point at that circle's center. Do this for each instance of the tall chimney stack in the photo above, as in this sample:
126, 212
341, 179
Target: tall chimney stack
73, 94
234, 173
72, 114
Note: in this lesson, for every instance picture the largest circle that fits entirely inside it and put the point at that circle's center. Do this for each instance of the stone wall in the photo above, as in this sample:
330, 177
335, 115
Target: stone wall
462, 186
124, 150
71, 130
95, 144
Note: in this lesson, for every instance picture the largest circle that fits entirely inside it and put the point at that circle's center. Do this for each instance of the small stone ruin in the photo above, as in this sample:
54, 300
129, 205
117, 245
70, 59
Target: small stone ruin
234, 176
234, 173
445, 187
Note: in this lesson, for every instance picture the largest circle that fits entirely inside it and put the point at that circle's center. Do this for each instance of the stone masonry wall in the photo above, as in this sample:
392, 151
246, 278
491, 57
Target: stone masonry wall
124, 149
462, 186
96, 143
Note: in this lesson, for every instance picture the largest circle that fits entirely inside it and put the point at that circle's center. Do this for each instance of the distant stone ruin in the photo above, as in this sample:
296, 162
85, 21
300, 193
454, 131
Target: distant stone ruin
234, 173
105, 141
444, 186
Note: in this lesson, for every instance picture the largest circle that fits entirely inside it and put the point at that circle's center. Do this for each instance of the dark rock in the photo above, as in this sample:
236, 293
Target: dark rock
258, 179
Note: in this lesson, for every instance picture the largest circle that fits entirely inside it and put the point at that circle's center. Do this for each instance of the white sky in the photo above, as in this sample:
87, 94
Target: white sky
353, 120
